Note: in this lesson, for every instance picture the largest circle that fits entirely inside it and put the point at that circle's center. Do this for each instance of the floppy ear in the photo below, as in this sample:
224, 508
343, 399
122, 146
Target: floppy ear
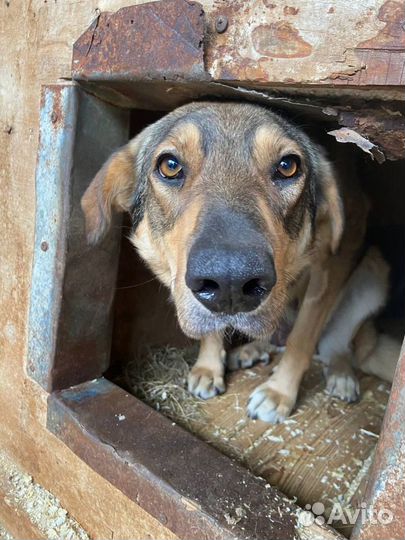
334, 205
111, 189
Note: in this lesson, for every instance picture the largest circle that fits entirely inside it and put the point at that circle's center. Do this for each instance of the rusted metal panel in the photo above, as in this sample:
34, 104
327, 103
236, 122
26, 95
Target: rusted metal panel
157, 40
160, 55
385, 495
190, 487
72, 285
338, 43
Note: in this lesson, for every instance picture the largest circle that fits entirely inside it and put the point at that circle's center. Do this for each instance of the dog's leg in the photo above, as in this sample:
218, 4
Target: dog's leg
364, 295
274, 400
376, 354
206, 378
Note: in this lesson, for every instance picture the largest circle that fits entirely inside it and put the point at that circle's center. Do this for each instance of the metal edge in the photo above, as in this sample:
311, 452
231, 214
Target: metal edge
58, 117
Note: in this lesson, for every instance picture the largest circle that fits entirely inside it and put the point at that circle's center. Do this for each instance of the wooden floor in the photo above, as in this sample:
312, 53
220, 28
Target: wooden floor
322, 453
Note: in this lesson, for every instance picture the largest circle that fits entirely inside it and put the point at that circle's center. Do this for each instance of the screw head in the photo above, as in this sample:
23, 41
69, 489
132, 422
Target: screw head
221, 24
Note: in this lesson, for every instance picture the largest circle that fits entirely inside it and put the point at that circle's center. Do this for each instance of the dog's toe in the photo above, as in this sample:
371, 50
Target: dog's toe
344, 386
248, 355
204, 383
269, 405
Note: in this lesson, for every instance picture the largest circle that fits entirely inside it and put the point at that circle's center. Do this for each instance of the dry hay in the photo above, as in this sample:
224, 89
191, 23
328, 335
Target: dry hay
159, 379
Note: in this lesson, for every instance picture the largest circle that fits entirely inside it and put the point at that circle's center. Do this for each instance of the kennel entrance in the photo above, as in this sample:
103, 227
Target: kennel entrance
163, 468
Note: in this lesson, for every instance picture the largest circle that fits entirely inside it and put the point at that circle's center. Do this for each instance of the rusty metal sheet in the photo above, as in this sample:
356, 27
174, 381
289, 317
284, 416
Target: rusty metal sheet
163, 54
336, 43
191, 488
385, 495
72, 285
157, 40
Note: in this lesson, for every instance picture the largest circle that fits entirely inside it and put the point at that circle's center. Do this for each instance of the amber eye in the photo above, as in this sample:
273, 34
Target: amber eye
169, 167
288, 166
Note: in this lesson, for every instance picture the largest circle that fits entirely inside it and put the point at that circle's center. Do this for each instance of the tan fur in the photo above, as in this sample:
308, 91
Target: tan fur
206, 378
110, 190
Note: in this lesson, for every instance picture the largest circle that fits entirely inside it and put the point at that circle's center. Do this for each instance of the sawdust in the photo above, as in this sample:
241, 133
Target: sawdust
322, 453
160, 380
43, 509
4, 535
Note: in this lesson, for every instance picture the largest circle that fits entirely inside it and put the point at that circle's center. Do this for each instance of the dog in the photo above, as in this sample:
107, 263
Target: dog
243, 216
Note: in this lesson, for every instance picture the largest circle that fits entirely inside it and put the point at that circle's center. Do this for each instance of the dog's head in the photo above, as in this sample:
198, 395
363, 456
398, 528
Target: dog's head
226, 200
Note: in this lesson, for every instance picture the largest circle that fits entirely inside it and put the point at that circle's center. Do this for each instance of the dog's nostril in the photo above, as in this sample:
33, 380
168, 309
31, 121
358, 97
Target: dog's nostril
206, 288
255, 288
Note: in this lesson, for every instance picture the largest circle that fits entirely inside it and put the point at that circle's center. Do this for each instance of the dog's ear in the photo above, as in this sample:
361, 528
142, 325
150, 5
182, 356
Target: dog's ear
112, 189
334, 205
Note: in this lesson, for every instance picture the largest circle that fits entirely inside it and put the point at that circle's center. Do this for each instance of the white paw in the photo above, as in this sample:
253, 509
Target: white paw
204, 383
269, 405
344, 386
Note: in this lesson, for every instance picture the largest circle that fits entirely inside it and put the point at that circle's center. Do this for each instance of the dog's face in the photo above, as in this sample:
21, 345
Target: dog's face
226, 201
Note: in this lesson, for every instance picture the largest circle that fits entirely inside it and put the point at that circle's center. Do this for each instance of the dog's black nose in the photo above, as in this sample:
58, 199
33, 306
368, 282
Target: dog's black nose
229, 280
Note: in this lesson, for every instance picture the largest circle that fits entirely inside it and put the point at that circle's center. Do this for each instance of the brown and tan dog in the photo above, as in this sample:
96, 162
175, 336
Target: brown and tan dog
239, 213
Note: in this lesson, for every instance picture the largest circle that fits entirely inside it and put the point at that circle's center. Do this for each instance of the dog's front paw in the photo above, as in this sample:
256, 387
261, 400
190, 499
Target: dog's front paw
268, 404
344, 386
204, 383
250, 354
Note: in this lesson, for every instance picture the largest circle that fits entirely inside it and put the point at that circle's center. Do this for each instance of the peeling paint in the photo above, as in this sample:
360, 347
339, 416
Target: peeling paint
347, 135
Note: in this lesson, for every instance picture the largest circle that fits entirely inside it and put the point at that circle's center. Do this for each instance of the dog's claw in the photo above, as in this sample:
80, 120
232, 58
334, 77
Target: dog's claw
344, 386
205, 384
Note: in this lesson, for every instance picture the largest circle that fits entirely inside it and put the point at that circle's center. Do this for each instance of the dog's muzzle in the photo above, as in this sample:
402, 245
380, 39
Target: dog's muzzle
230, 268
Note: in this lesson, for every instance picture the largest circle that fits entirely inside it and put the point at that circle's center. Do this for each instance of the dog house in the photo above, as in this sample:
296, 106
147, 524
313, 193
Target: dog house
128, 68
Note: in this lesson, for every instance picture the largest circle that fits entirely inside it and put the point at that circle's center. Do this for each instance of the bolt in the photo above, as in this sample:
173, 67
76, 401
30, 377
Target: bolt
221, 24
44, 246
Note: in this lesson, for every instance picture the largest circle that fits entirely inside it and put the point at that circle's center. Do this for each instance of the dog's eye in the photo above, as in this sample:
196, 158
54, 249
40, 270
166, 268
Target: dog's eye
169, 167
288, 166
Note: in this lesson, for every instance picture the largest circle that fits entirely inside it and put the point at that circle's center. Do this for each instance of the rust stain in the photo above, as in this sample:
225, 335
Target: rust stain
269, 5
247, 69
57, 116
149, 41
290, 10
331, 10
392, 36
280, 40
